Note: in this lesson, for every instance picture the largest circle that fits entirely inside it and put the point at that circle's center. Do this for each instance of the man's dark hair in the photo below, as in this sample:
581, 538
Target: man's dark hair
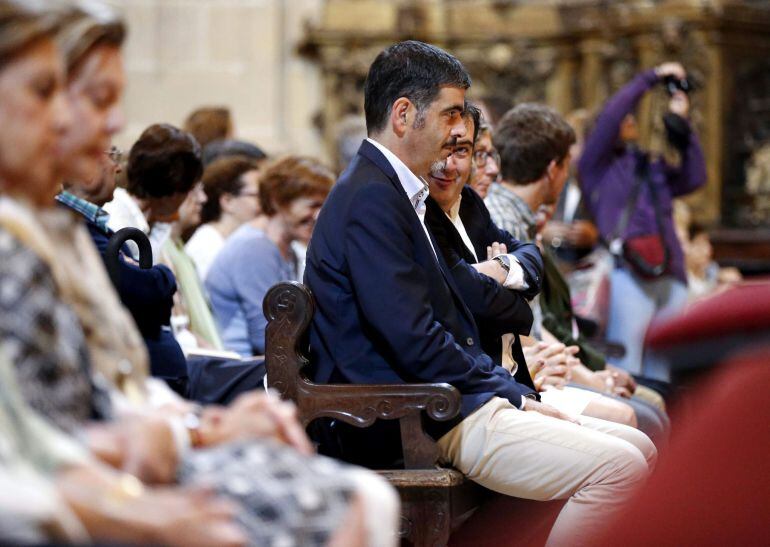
163, 162
225, 148
474, 113
223, 177
528, 138
410, 69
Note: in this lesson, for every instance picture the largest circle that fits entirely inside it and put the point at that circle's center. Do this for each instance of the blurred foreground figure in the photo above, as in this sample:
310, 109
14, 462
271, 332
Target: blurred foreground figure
79, 359
712, 489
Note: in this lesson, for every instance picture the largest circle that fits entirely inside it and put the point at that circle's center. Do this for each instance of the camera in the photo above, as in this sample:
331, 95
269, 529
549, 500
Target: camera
674, 84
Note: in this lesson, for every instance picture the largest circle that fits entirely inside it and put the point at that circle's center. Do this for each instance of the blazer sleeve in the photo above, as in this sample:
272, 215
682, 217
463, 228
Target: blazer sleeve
501, 310
600, 144
392, 292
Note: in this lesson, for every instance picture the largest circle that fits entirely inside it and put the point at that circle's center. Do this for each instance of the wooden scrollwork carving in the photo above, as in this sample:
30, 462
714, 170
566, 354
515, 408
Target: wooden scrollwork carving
289, 309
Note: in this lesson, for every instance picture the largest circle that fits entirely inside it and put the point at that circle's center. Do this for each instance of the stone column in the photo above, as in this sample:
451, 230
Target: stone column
592, 72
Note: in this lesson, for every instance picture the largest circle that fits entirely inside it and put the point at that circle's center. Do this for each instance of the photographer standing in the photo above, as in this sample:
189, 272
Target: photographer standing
630, 196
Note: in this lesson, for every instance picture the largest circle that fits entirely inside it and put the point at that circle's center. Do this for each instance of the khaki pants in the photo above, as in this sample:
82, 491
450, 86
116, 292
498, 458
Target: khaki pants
596, 466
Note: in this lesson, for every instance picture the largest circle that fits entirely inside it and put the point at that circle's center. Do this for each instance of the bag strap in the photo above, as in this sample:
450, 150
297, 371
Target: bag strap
641, 177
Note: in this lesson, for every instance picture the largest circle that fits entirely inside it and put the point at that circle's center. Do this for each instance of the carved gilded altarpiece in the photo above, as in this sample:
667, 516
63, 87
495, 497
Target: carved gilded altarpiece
575, 53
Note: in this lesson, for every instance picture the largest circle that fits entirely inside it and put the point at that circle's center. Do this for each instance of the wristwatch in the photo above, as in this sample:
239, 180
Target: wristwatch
505, 262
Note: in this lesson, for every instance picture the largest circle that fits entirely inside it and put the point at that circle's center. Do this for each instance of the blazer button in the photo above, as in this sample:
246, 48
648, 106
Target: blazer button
469, 341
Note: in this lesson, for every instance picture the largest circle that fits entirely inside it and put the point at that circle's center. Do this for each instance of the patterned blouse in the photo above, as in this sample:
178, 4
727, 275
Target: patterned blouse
43, 338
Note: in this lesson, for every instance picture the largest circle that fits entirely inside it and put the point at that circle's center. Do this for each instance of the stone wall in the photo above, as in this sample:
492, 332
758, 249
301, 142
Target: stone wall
240, 53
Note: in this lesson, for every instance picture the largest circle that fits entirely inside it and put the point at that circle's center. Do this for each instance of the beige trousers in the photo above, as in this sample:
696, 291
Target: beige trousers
596, 466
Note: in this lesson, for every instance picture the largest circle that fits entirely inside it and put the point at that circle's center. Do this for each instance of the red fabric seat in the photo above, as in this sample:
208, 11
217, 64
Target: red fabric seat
743, 309
712, 486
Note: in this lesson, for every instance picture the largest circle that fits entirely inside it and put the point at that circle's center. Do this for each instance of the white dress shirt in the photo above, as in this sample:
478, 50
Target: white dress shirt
416, 189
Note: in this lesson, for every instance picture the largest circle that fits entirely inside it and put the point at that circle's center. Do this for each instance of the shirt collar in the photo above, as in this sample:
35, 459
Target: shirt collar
93, 213
527, 216
416, 189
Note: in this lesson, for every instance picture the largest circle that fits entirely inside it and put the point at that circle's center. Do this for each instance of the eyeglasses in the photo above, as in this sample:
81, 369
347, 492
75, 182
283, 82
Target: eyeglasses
481, 157
115, 154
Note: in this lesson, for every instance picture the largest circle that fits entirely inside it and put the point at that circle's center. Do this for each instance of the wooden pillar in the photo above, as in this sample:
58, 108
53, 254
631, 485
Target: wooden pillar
709, 200
332, 110
647, 51
592, 73
560, 91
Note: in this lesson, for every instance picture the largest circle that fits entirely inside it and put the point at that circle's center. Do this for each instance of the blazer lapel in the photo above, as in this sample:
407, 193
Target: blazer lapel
370, 152
444, 269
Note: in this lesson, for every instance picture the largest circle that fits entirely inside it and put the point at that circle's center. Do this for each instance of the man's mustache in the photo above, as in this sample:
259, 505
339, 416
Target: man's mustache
438, 166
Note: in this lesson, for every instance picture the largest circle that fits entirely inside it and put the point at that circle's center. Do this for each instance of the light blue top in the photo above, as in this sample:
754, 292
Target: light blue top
244, 270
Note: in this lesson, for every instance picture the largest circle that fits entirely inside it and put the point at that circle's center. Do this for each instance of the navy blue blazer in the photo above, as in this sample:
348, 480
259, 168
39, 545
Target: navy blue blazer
387, 309
497, 310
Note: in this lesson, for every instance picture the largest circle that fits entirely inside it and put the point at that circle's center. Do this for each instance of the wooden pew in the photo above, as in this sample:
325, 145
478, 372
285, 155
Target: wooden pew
435, 500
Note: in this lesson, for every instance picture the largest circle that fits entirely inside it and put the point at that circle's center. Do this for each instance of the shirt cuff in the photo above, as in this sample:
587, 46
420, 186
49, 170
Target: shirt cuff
515, 279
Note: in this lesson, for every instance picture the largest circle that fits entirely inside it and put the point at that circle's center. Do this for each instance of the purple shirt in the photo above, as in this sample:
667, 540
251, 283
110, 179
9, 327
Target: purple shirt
606, 174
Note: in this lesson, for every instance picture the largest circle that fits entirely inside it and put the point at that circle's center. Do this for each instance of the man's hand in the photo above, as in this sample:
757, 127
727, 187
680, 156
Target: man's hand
530, 405
254, 415
555, 376
496, 249
671, 69
622, 377
551, 354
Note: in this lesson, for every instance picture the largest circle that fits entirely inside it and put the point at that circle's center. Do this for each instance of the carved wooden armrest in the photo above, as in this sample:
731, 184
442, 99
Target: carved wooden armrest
361, 405
289, 308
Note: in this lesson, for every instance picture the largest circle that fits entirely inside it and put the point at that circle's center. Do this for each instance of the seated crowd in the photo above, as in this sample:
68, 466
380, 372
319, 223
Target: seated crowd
133, 407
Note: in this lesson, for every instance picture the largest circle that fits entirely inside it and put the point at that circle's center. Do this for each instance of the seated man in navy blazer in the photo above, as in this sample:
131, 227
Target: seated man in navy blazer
388, 310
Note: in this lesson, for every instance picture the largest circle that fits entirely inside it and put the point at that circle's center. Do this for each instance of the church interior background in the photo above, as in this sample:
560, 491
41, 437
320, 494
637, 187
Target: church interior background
292, 73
